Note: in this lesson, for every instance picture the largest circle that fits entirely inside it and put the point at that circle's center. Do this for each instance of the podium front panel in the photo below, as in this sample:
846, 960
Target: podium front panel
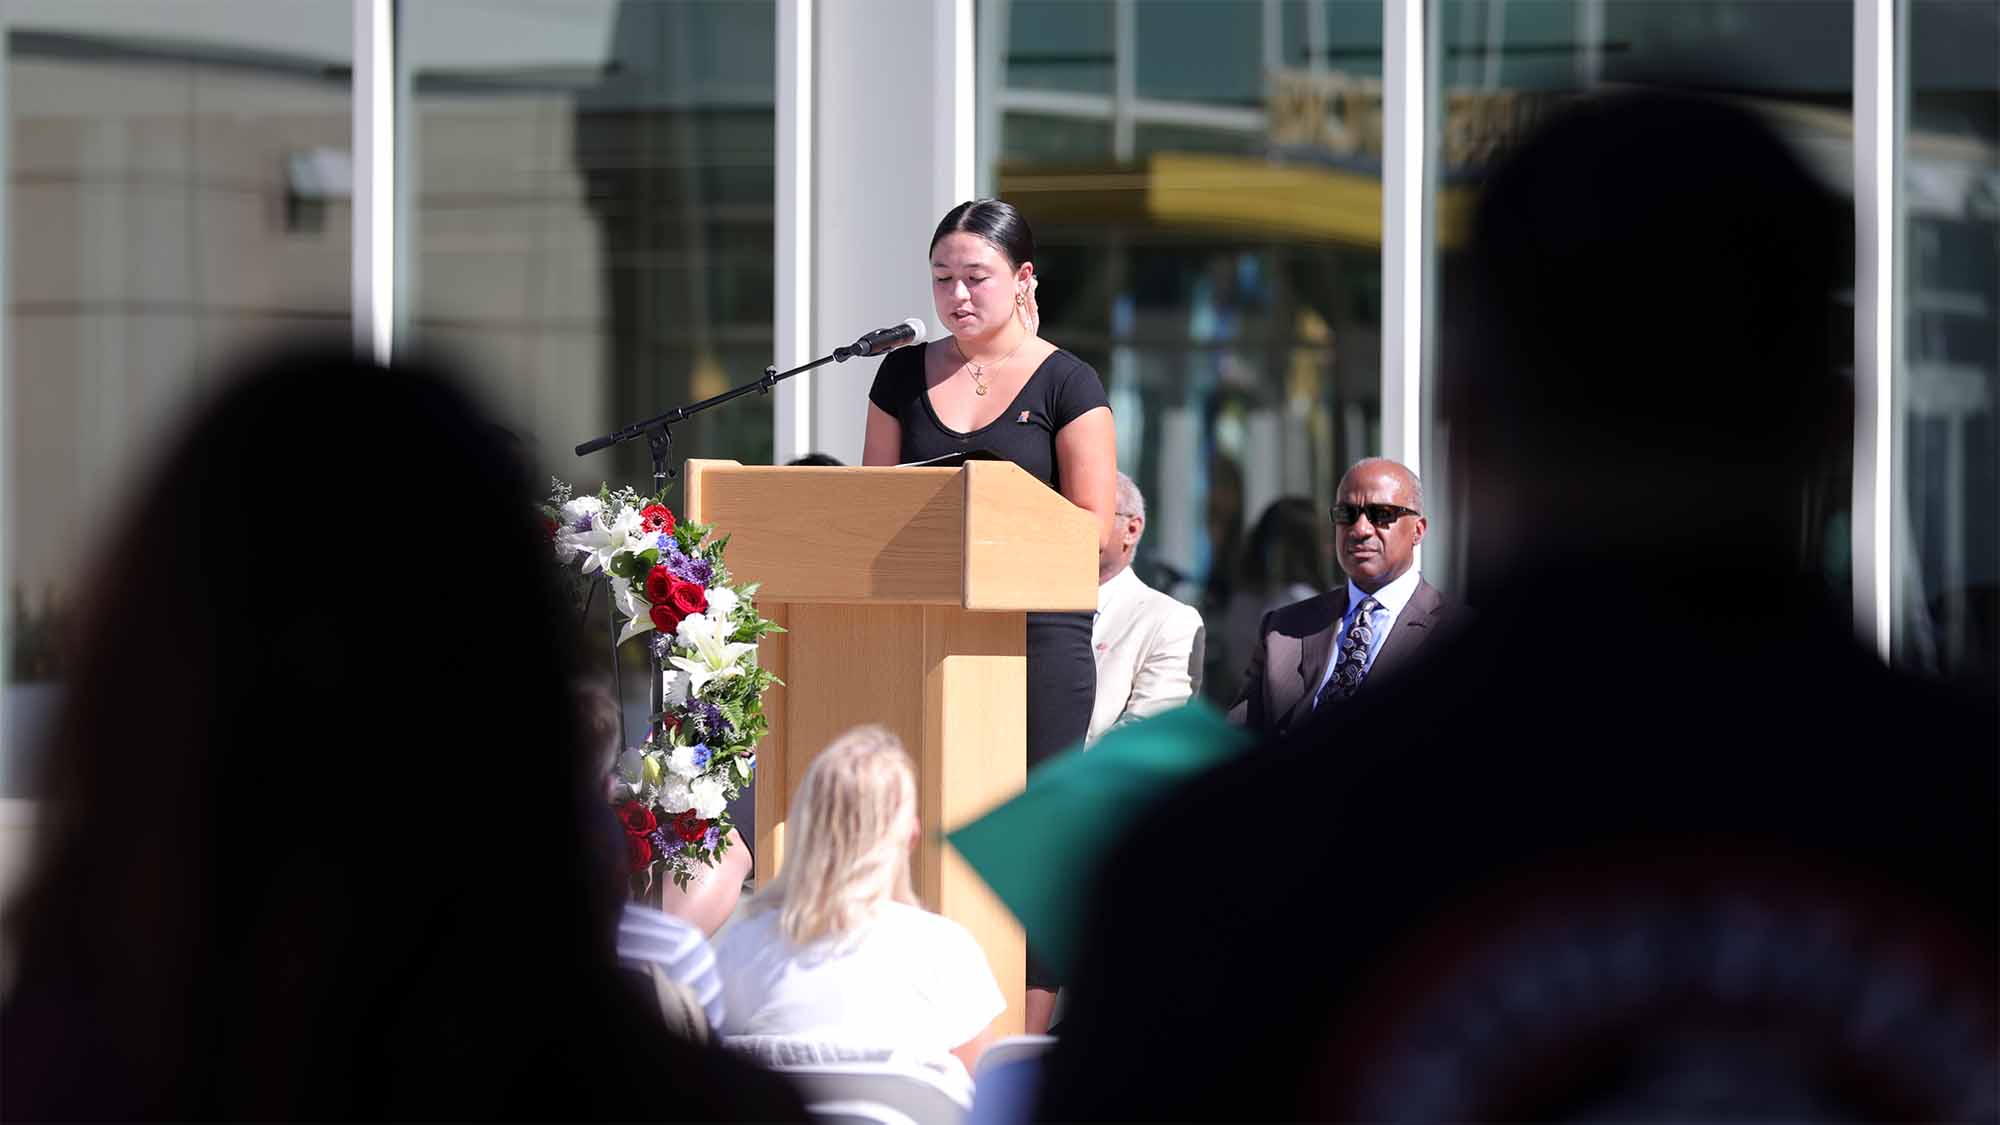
952, 685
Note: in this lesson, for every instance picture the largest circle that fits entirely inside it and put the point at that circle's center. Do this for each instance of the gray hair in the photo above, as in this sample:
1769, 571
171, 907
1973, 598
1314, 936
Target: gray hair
1131, 502
1416, 485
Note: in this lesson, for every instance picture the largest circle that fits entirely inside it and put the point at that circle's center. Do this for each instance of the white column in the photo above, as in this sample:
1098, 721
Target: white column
1876, 237
892, 149
791, 316
1403, 115
954, 125
374, 143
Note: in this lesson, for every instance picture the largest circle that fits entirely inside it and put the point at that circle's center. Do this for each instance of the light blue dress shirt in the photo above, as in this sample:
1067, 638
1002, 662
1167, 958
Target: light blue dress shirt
1389, 603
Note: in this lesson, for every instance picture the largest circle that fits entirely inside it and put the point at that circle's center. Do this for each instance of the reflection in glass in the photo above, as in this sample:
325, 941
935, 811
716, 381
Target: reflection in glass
1210, 242
589, 190
1500, 65
1946, 614
178, 187
1060, 45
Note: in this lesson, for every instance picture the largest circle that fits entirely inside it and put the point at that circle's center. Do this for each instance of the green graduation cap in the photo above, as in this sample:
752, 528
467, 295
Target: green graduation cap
1040, 850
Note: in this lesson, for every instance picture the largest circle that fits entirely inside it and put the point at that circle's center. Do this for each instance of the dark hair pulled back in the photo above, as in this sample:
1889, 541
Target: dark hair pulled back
995, 221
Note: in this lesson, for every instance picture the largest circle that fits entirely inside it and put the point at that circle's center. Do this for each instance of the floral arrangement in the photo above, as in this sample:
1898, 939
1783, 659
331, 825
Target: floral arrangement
669, 585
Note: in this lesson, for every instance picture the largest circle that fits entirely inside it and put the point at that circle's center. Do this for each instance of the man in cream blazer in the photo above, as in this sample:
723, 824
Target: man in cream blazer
1148, 645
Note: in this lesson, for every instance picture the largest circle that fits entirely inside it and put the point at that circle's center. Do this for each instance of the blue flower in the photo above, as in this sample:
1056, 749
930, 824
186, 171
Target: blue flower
664, 843
702, 754
711, 838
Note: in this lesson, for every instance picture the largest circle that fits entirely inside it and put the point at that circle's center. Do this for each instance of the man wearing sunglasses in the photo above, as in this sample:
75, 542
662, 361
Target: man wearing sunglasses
1320, 652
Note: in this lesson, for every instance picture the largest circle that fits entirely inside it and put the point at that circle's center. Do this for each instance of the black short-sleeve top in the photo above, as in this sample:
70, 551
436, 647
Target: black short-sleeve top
1060, 390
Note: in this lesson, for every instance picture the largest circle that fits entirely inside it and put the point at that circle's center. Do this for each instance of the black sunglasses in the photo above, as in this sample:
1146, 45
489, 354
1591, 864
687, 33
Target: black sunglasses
1381, 515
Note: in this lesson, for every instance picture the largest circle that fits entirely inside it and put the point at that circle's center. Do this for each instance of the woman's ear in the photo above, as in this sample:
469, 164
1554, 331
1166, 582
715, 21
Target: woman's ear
1024, 275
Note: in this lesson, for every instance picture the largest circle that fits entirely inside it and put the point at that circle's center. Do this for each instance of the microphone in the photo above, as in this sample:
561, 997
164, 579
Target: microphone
911, 331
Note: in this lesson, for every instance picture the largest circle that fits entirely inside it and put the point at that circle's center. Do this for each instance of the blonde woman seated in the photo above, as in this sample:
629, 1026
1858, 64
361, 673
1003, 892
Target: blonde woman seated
836, 949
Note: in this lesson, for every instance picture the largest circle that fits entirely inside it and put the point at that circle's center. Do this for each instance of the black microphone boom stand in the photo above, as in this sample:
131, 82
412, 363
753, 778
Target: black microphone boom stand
659, 431
659, 428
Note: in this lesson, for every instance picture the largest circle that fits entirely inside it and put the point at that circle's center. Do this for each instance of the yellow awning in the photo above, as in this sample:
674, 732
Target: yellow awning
1240, 196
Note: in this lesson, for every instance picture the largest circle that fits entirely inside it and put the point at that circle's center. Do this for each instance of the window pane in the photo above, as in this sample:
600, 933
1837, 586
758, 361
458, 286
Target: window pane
1040, 139
590, 192
1059, 45
1201, 50
1502, 63
1946, 614
177, 188
1220, 266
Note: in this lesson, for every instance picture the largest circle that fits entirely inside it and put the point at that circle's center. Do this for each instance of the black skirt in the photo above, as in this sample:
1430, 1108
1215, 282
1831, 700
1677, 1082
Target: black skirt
1062, 683
1062, 686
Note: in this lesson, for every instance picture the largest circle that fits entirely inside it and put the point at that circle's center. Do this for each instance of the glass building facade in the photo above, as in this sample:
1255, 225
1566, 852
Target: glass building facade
600, 206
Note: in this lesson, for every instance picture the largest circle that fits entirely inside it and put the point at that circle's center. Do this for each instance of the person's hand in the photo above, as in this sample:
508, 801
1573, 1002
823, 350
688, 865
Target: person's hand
1031, 313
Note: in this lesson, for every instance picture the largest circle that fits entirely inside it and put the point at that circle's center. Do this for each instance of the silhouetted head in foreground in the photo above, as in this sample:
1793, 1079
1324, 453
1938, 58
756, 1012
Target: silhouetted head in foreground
1647, 366
315, 836
1652, 839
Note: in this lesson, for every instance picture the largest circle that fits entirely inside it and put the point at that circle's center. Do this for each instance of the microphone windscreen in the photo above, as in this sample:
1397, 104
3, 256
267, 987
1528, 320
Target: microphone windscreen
921, 329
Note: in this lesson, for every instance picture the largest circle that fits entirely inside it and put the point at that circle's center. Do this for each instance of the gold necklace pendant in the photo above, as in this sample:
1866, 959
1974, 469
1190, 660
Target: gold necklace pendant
978, 370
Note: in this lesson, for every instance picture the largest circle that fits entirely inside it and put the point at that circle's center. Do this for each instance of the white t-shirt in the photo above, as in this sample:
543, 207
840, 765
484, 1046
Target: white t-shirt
908, 980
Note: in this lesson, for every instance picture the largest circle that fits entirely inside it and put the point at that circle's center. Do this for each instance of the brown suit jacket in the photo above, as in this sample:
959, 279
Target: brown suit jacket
1296, 642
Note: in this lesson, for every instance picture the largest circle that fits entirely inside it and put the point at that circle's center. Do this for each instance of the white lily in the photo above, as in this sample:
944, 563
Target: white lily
714, 657
605, 538
635, 609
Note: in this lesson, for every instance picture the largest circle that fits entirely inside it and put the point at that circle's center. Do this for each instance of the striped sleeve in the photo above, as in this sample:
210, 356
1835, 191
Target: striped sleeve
648, 936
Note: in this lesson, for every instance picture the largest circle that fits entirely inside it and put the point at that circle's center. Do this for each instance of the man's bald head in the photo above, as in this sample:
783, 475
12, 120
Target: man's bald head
1378, 522
1414, 486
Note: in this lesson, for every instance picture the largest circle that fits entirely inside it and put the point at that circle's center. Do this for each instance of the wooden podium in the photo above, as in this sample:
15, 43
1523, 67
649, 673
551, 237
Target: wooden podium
904, 593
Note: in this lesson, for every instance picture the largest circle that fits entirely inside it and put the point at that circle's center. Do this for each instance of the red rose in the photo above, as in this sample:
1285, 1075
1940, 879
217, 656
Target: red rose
688, 597
639, 851
659, 586
689, 827
637, 818
656, 518
549, 528
665, 619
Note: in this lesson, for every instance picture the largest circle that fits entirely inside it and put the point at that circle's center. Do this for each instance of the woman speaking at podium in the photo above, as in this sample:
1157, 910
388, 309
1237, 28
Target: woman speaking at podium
992, 383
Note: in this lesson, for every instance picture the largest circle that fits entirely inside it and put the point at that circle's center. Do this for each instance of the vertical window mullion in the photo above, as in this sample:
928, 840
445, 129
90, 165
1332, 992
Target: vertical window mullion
374, 248
791, 314
1404, 85
1876, 238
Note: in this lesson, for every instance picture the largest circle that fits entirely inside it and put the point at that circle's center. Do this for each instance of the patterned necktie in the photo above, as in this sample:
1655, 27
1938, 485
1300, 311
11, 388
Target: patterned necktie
1352, 661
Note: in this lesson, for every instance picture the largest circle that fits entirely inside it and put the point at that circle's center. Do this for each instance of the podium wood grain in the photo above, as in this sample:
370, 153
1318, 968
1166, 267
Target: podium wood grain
904, 593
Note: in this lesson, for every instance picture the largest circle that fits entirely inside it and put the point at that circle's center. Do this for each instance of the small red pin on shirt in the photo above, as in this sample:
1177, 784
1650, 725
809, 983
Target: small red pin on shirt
1024, 416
